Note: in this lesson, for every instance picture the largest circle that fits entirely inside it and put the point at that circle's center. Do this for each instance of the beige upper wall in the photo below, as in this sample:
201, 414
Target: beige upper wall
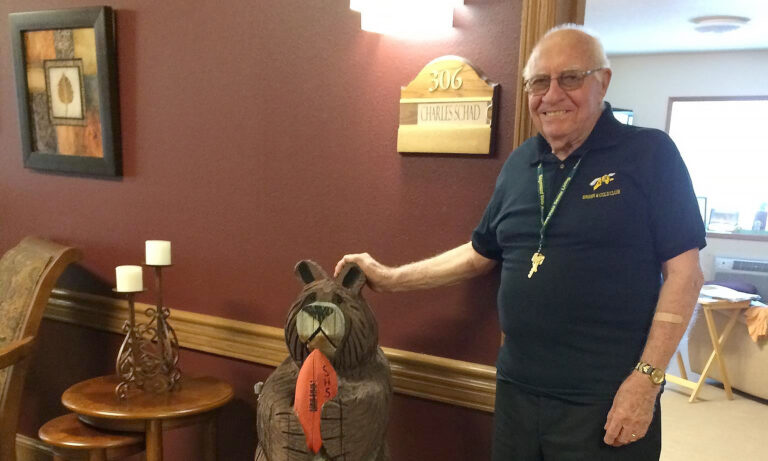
645, 83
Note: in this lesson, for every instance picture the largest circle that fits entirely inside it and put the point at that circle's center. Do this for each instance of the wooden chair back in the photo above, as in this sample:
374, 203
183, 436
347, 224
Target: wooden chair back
28, 273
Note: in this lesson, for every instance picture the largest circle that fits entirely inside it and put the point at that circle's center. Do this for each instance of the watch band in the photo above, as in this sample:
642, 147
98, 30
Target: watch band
656, 375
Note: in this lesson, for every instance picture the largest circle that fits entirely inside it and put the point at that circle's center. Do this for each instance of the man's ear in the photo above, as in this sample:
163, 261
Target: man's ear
351, 277
308, 271
606, 80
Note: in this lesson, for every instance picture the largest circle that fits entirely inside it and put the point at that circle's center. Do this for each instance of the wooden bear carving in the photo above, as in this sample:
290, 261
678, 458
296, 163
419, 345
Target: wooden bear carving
329, 320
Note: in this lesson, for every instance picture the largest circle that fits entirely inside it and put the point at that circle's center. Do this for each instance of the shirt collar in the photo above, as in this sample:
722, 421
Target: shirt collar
603, 135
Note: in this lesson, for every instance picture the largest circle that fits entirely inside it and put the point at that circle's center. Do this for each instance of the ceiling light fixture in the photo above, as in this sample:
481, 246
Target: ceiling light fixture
718, 24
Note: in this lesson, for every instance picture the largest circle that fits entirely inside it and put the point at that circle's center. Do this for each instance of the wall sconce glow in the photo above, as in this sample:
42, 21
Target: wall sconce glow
358, 5
408, 18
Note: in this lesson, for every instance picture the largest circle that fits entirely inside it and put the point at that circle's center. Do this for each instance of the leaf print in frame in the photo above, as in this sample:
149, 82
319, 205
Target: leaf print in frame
65, 90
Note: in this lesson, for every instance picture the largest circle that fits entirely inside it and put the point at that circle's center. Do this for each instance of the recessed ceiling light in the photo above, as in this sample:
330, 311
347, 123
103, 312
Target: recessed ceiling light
718, 24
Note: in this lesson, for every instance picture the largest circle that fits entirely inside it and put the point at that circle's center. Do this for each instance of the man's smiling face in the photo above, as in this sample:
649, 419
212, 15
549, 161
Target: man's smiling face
566, 118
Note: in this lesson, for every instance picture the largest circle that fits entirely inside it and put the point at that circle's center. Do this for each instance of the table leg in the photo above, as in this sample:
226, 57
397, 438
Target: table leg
97, 455
154, 445
209, 438
702, 377
718, 342
716, 352
681, 365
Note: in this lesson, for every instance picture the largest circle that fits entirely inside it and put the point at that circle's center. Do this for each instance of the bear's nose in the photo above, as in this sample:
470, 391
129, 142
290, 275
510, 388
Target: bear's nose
318, 311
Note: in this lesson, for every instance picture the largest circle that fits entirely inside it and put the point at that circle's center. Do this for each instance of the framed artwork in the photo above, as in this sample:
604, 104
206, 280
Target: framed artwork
66, 87
723, 220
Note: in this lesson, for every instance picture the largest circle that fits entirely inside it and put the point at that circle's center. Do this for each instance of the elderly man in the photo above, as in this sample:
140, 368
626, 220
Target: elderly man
586, 218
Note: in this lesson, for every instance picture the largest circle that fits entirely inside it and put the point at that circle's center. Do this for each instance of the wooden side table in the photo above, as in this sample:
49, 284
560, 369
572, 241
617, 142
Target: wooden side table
195, 402
718, 339
71, 439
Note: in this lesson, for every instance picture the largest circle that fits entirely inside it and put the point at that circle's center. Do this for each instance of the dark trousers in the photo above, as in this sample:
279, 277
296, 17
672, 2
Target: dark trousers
530, 427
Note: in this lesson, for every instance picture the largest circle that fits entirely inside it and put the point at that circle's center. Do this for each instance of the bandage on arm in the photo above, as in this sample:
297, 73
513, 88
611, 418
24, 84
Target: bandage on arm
667, 317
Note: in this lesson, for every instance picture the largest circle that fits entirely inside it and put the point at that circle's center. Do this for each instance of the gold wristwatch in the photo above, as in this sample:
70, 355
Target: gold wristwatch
656, 375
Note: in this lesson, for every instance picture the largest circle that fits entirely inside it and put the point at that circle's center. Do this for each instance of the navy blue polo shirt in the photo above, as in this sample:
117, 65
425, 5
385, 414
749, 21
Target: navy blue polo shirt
576, 328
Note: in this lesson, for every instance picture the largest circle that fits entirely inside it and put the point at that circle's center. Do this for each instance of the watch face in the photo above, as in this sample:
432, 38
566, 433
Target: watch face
657, 376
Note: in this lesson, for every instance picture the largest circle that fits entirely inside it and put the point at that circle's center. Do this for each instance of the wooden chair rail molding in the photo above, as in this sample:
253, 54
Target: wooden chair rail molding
32, 449
441, 379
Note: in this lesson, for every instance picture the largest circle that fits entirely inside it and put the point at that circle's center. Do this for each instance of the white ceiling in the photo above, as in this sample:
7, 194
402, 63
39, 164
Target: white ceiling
663, 26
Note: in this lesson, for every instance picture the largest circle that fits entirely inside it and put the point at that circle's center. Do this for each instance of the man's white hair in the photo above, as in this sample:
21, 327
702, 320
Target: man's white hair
597, 51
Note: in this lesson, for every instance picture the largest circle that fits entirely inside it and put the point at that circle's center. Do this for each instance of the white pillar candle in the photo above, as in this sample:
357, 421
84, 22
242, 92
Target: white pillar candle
129, 278
158, 253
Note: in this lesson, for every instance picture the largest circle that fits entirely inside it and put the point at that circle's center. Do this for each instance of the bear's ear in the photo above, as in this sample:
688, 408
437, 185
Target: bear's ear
308, 271
351, 277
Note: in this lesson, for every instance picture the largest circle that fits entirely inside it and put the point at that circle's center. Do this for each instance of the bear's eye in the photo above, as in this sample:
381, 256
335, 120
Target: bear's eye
337, 299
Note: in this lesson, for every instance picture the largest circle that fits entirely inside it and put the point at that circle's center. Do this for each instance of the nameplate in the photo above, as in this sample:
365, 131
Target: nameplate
449, 108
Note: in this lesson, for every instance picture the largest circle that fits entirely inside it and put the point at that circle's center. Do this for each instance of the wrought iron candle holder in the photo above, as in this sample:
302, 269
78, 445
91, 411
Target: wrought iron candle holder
162, 372
149, 356
128, 364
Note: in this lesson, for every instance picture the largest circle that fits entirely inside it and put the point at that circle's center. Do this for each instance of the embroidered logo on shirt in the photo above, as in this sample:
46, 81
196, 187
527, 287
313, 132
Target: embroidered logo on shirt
605, 193
600, 180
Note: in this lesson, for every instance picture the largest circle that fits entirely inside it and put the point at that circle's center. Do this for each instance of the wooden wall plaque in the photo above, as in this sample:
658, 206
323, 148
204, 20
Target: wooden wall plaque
449, 108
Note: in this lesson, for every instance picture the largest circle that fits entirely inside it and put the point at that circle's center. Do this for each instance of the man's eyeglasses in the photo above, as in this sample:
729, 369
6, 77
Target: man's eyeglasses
569, 80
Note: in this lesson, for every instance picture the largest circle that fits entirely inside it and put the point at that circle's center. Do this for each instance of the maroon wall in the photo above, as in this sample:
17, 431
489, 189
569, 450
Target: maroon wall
256, 134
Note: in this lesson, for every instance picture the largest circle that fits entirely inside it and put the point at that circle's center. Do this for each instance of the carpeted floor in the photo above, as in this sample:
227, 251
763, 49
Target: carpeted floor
712, 428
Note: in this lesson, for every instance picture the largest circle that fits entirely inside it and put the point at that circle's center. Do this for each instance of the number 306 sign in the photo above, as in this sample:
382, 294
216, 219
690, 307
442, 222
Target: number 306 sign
448, 108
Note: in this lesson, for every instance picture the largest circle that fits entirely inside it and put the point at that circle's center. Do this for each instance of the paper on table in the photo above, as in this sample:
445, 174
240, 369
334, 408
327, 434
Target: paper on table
716, 291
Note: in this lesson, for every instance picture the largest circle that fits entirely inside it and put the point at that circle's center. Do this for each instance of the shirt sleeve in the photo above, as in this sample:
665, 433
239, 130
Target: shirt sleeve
676, 222
484, 239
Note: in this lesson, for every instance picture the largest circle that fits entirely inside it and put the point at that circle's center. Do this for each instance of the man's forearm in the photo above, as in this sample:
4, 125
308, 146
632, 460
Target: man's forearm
682, 283
453, 266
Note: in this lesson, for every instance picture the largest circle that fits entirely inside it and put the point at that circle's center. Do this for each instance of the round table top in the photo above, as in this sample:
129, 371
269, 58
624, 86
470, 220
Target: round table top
96, 397
69, 432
